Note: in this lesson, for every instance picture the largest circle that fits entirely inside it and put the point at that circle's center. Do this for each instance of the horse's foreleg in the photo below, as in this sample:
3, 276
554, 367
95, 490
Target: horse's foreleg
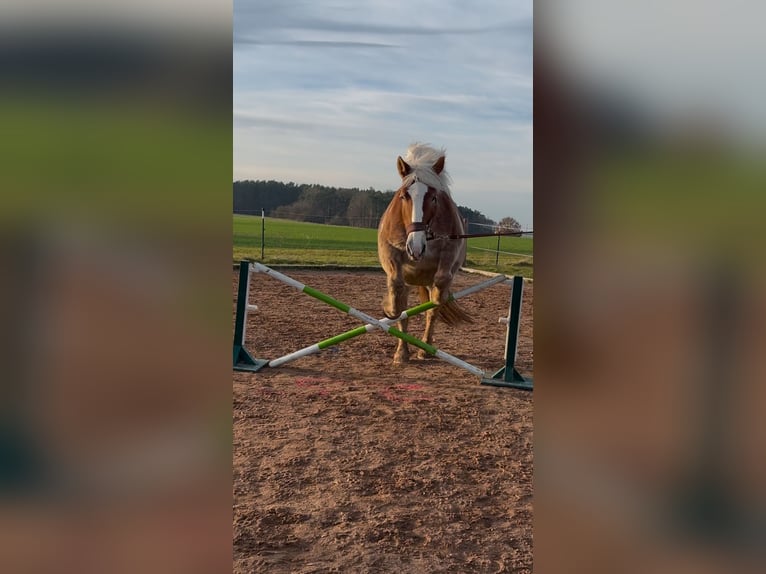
428, 333
440, 291
394, 304
391, 308
402, 354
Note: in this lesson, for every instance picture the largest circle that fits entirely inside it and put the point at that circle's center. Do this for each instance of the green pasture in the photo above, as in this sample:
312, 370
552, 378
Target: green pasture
299, 243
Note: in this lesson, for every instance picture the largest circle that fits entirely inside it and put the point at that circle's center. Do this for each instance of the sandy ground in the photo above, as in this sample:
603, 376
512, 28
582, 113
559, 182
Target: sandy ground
345, 463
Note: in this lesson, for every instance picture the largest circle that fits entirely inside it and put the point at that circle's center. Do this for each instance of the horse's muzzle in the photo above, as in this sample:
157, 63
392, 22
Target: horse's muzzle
416, 245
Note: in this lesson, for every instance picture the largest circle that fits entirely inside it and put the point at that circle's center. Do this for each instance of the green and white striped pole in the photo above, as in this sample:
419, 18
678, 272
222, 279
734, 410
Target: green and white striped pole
311, 349
430, 349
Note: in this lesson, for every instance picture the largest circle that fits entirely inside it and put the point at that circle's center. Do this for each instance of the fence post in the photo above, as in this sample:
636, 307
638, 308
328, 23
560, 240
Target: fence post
497, 252
263, 230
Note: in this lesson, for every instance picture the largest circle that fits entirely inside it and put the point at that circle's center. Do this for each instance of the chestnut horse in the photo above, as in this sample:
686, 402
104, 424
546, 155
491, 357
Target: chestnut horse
414, 243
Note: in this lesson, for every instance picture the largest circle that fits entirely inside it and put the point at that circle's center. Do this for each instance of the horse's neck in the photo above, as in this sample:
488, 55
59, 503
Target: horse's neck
447, 216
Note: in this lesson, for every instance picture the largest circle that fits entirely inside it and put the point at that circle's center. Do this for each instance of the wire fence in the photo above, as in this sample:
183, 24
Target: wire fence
497, 250
273, 240
369, 220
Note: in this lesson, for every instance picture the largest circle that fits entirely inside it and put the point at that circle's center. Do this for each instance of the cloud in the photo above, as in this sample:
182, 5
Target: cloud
308, 25
246, 121
384, 18
314, 43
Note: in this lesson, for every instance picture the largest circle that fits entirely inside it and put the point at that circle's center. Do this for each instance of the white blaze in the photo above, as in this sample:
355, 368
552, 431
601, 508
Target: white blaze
418, 192
416, 241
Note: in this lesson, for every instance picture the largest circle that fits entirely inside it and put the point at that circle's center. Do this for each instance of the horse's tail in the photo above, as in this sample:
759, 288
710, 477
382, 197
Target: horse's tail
452, 313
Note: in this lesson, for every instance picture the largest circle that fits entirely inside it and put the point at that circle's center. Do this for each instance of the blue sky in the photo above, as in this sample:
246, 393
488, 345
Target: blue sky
331, 92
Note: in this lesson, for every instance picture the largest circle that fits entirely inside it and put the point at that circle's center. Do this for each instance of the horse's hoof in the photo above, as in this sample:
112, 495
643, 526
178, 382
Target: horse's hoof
400, 360
390, 312
422, 355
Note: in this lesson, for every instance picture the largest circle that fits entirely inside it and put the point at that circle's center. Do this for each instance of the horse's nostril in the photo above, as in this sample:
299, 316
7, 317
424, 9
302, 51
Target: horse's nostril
411, 254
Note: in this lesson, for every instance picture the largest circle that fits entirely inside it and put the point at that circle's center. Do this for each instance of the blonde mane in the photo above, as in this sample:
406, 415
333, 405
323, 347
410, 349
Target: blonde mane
421, 158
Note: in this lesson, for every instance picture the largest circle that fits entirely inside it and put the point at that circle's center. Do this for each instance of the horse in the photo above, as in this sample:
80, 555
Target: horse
417, 243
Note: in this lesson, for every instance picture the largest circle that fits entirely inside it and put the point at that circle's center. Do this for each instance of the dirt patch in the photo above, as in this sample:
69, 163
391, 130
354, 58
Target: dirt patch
345, 463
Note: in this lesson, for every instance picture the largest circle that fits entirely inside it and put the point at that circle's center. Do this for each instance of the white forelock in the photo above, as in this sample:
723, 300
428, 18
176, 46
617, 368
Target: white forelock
421, 158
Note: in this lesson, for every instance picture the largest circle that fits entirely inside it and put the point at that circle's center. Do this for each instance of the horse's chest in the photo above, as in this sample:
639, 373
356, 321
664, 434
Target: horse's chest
421, 272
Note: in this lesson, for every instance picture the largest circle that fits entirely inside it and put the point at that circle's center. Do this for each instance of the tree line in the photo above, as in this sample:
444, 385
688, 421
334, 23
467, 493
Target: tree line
322, 204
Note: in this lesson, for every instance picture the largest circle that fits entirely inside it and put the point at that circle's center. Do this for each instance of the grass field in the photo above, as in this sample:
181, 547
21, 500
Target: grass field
299, 243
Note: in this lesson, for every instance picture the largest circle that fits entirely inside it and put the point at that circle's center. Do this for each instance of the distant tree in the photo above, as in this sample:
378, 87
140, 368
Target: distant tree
361, 210
252, 196
508, 224
323, 204
473, 216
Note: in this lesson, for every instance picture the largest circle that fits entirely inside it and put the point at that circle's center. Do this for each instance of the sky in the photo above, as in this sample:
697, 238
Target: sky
332, 91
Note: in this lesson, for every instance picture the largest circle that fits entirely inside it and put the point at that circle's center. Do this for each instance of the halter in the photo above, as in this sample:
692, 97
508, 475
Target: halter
419, 225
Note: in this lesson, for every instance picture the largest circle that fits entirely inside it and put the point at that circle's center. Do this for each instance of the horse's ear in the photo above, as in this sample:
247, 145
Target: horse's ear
439, 165
403, 167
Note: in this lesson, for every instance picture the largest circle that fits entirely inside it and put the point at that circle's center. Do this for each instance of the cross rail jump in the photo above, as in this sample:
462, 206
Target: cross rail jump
244, 361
